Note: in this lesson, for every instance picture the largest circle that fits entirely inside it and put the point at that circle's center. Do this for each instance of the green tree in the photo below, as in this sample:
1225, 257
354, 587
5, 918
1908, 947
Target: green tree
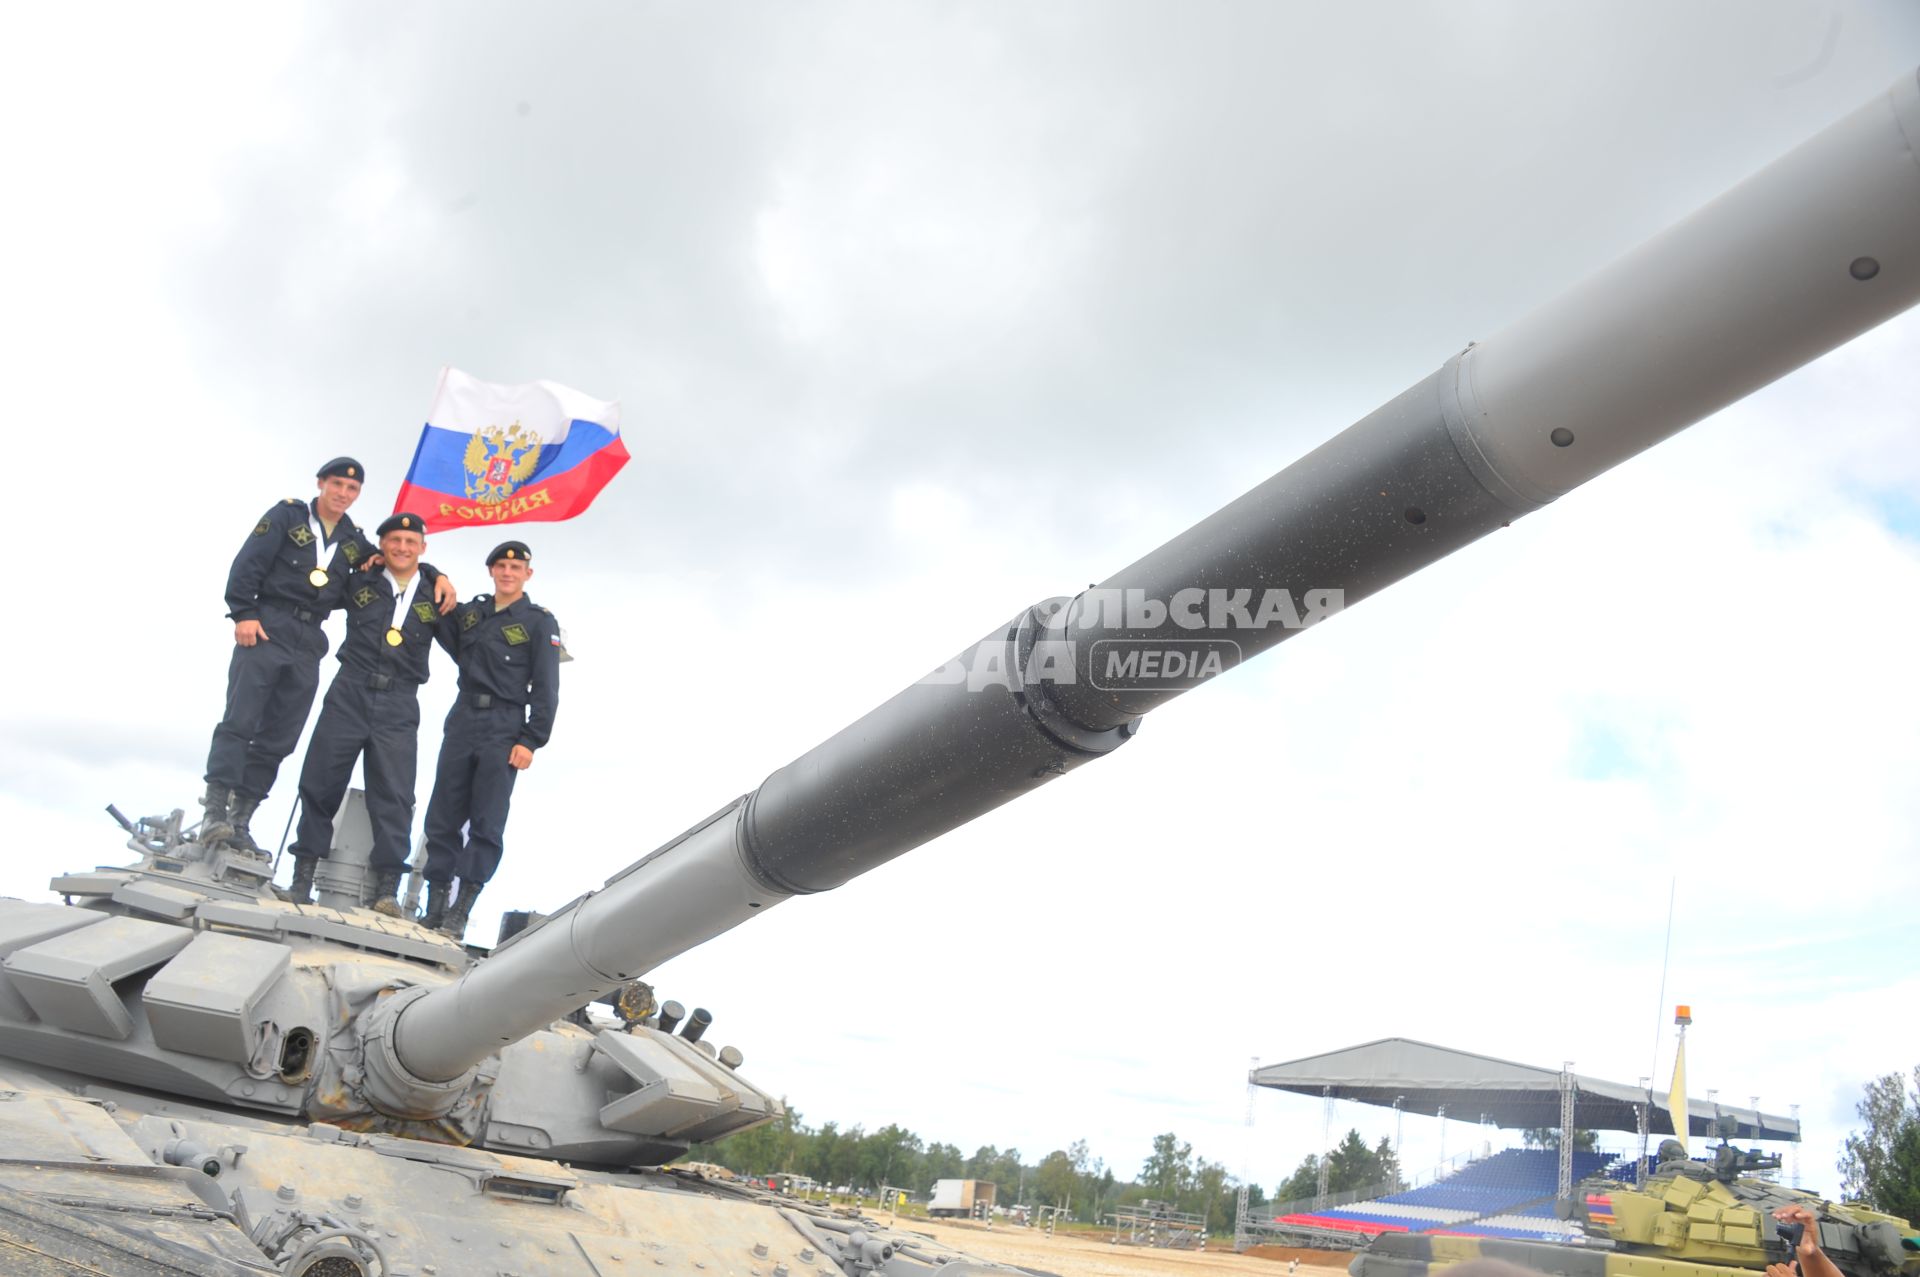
1211, 1196
843, 1161
1584, 1141
1055, 1179
764, 1150
1094, 1183
1389, 1163
1106, 1196
1881, 1165
1901, 1185
942, 1161
1168, 1170
1303, 1183
1351, 1165
891, 1155
819, 1151
1006, 1173
1003, 1168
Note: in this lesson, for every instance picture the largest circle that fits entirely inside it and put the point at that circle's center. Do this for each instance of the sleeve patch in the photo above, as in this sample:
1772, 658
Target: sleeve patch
261, 528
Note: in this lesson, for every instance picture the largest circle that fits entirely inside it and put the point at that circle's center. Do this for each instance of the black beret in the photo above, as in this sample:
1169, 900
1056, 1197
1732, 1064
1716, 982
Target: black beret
510, 550
343, 468
402, 522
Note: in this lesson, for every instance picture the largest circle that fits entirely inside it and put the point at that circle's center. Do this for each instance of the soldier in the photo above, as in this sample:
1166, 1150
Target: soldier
288, 575
508, 648
372, 708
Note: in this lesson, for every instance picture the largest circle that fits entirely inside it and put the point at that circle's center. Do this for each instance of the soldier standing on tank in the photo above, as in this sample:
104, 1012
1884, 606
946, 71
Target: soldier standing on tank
289, 574
508, 649
372, 708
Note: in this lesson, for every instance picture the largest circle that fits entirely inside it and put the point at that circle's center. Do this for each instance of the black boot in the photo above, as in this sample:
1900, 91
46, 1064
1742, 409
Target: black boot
437, 893
456, 923
385, 888
301, 890
241, 839
214, 826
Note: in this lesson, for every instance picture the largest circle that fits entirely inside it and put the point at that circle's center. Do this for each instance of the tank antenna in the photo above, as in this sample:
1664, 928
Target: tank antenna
285, 833
1660, 1003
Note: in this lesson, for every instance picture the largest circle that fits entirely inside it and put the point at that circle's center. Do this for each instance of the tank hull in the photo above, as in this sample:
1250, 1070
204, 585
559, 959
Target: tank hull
87, 1181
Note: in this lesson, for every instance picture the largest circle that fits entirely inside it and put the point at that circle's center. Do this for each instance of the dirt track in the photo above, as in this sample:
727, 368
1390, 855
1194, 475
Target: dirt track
1081, 1255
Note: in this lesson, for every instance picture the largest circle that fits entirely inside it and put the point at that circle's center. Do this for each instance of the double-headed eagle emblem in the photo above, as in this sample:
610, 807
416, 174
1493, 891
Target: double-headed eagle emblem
500, 459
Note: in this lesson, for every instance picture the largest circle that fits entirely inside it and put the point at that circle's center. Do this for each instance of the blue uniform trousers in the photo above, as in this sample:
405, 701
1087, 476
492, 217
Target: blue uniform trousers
270, 688
384, 725
472, 787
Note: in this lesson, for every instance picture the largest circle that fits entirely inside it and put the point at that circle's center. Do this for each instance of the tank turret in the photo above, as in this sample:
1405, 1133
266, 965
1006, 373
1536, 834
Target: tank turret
281, 1084
1710, 1213
1687, 1219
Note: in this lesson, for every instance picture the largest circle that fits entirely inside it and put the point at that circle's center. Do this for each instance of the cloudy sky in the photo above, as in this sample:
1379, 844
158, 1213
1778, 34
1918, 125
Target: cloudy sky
920, 313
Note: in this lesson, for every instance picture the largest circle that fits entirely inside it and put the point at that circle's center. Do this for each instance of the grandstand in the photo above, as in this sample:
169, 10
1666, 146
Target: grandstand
1512, 1194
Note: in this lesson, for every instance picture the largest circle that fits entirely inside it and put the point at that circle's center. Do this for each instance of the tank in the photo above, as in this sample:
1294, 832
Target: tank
197, 1077
1685, 1219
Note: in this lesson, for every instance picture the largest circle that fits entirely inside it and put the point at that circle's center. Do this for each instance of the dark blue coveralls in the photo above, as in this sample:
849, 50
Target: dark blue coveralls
372, 708
270, 685
509, 690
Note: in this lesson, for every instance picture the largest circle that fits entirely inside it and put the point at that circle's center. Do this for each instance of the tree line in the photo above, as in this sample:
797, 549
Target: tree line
1881, 1164
1070, 1178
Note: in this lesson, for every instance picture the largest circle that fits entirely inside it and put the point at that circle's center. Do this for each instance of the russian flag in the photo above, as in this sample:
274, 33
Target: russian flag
538, 452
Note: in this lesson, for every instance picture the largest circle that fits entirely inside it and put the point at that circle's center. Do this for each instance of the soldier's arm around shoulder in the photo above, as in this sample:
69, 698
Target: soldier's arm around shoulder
255, 560
358, 549
430, 578
448, 629
543, 697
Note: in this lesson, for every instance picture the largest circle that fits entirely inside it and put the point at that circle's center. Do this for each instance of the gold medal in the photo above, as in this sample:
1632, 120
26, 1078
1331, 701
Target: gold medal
317, 578
393, 636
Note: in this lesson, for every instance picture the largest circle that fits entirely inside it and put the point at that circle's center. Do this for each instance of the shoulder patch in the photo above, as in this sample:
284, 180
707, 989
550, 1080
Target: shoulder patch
424, 610
515, 634
469, 619
294, 501
261, 528
363, 596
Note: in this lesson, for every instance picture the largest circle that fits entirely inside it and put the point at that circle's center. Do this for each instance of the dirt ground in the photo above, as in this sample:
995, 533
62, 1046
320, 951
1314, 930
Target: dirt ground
1084, 1255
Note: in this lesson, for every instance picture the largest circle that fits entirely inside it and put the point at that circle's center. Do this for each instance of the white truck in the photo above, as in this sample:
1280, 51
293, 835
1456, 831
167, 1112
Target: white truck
961, 1197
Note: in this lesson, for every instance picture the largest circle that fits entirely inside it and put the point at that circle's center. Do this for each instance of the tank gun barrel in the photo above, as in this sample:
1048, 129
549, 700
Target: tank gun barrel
1811, 251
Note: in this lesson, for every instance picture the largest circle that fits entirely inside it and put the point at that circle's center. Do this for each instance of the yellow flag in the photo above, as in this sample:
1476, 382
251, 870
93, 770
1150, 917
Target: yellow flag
1677, 1095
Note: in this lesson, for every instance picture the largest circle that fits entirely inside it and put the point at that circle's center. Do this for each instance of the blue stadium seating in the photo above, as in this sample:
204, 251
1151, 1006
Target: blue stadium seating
1507, 1195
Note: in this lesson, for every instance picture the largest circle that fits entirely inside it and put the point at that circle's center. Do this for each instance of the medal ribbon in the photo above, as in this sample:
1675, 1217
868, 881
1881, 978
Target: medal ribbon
321, 558
402, 600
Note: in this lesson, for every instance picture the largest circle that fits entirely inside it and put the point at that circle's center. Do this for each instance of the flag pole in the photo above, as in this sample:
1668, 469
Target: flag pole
1677, 1094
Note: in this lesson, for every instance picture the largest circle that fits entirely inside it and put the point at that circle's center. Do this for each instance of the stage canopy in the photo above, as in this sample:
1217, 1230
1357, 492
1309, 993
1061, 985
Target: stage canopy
1424, 1078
